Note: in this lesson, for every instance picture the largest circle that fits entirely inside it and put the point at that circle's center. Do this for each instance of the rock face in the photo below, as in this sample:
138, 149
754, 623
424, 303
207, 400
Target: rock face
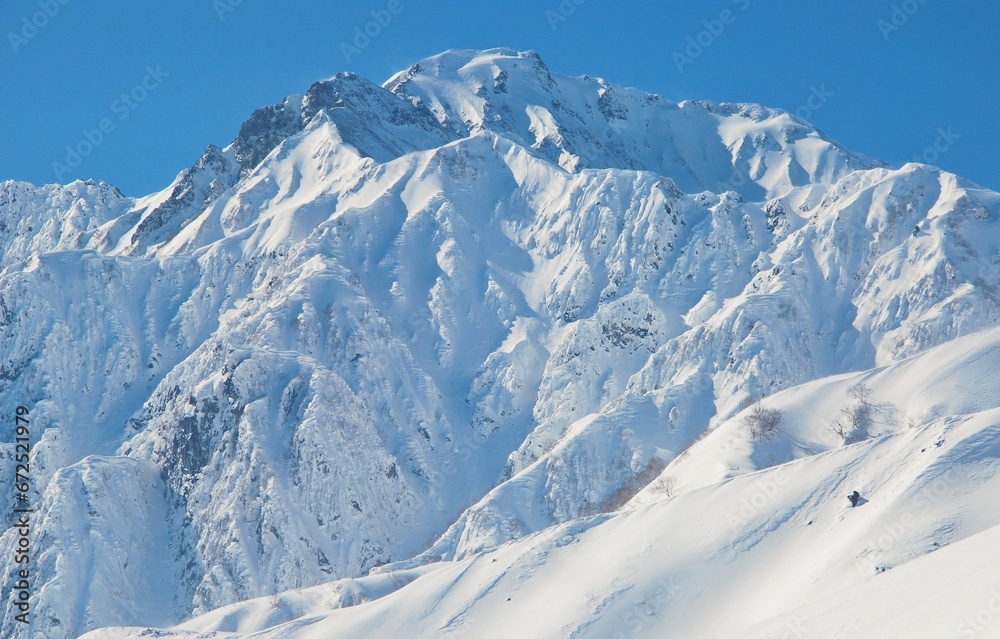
434, 316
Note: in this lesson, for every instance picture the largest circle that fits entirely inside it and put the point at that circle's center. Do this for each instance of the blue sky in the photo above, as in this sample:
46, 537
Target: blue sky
150, 84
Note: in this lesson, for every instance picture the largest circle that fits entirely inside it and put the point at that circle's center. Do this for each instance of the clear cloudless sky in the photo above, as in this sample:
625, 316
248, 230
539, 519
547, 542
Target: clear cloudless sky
893, 74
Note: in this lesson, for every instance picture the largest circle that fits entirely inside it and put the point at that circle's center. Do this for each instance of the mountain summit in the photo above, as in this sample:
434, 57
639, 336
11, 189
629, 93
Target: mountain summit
391, 329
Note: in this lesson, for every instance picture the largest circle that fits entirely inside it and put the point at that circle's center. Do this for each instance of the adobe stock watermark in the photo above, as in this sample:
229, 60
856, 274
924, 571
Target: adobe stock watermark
944, 141
32, 24
697, 44
818, 96
894, 532
793, 629
562, 13
225, 7
645, 614
363, 36
900, 15
122, 107
984, 618
750, 506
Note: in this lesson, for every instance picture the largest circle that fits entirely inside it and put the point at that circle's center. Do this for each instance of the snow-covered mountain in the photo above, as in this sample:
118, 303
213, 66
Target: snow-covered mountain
466, 316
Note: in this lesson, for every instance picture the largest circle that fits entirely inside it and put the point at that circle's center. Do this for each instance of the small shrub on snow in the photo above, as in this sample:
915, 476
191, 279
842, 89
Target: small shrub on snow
762, 422
665, 485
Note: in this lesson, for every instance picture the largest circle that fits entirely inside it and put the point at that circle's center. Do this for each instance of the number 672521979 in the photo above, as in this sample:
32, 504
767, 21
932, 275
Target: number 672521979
22, 435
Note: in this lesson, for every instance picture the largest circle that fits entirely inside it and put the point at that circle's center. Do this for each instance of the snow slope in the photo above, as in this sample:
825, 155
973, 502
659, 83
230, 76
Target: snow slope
771, 553
415, 322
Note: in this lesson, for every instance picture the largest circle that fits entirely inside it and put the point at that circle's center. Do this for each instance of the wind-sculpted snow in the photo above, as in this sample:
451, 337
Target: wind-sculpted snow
405, 323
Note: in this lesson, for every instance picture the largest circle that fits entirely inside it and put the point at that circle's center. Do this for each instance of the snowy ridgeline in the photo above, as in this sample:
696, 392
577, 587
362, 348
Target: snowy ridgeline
409, 324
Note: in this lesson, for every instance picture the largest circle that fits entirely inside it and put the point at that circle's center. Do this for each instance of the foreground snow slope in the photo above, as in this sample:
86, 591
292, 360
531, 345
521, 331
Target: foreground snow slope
414, 322
771, 553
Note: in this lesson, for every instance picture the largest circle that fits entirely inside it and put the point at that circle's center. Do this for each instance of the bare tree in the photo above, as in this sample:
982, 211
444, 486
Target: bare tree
839, 428
861, 393
856, 418
665, 485
762, 422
